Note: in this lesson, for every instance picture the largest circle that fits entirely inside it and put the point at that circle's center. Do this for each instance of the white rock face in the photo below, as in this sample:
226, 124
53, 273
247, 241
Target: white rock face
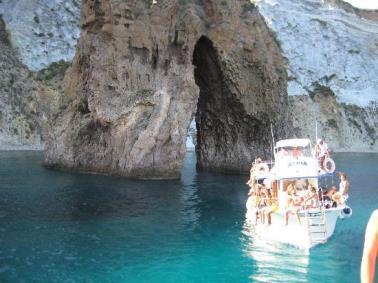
364, 4
324, 44
43, 31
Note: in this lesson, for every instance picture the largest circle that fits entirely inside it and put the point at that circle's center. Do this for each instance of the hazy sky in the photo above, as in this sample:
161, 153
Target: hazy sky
364, 4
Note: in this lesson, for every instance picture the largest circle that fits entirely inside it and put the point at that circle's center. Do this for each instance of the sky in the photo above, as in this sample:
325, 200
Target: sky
364, 4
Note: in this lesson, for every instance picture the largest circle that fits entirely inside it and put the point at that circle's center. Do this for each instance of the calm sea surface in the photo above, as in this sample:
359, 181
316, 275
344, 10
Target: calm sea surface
66, 227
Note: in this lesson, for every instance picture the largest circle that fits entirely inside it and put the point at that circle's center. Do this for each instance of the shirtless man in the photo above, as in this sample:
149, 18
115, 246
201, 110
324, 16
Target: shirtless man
370, 253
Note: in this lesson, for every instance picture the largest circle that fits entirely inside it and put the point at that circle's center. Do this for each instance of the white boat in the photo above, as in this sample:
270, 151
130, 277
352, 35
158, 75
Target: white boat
311, 222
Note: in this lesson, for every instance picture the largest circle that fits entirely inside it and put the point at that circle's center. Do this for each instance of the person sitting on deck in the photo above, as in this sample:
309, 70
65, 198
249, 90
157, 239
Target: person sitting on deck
312, 201
254, 202
293, 204
271, 207
333, 198
263, 203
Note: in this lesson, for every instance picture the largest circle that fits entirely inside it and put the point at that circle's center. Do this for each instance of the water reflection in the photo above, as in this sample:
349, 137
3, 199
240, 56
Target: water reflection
189, 199
273, 261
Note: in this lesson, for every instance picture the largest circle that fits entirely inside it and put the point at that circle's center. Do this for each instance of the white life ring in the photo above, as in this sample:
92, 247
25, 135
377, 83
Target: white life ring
262, 168
329, 165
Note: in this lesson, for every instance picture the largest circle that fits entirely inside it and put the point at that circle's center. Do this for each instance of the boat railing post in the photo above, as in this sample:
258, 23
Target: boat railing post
321, 197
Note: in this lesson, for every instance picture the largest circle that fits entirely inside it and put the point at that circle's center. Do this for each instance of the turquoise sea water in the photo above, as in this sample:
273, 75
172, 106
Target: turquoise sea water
66, 227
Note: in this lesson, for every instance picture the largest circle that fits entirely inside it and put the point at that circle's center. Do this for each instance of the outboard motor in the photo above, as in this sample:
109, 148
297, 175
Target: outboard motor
346, 212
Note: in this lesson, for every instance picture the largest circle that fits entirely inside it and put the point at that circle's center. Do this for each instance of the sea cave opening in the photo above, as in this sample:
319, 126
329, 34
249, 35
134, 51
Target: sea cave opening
214, 132
222, 127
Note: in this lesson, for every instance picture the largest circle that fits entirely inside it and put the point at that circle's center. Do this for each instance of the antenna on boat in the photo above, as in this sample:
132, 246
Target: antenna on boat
273, 143
316, 130
316, 139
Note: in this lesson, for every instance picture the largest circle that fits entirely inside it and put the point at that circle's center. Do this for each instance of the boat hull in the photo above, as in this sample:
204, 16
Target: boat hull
313, 229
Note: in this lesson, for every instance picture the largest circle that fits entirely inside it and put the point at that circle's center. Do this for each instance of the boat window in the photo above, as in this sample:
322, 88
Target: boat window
294, 151
299, 184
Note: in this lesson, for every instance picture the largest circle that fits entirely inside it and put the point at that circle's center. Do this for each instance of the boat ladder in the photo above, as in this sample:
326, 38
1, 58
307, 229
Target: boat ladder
316, 225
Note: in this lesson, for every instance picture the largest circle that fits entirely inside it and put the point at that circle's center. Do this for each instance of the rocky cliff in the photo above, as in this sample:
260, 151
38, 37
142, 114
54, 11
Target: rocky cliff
35, 39
330, 46
140, 75
42, 31
19, 127
332, 50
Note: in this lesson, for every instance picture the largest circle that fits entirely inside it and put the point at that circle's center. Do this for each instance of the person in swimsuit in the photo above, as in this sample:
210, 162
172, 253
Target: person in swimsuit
344, 186
254, 202
312, 201
272, 207
293, 204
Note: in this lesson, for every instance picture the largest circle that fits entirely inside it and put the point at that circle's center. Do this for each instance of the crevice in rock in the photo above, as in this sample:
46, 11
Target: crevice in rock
226, 134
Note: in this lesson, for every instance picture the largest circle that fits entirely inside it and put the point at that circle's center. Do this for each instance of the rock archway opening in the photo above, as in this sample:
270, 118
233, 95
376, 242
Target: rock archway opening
225, 132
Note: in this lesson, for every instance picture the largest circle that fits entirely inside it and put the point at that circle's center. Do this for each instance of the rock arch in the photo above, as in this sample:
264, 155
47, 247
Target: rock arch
140, 76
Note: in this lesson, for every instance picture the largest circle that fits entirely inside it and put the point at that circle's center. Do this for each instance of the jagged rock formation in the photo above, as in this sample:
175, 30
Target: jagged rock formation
27, 98
42, 31
141, 73
19, 128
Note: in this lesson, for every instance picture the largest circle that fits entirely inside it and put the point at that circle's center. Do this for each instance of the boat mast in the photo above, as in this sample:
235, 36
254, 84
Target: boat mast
316, 130
273, 143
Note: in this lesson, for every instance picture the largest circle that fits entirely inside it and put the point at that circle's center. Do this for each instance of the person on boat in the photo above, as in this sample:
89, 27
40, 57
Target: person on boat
271, 207
344, 186
323, 152
296, 152
332, 197
262, 205
370, 252
251, 182
312, 201
300, 184
293, 205
254, 186
254, 202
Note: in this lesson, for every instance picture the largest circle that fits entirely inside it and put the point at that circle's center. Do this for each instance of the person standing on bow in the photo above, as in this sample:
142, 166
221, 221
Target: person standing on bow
323, 151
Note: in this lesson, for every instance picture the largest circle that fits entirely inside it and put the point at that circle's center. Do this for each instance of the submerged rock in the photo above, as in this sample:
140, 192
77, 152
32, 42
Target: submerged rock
140, 75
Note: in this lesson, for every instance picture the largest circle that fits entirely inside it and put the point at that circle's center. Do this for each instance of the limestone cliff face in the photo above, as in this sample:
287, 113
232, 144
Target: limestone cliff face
345, 127
329, 45
42, 31
140, 75
332, 50
19, 127
27, 99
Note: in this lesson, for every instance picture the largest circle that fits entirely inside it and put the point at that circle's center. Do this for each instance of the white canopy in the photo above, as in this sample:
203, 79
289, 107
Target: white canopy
293, 142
